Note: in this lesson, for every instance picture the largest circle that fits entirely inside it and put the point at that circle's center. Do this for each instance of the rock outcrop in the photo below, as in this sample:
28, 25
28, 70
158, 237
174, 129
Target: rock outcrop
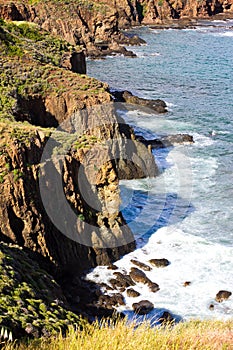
158, 106
160, 11
93, 146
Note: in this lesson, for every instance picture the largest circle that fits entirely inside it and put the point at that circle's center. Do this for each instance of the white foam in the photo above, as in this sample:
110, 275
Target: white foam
224, 34
207, 266
203, 140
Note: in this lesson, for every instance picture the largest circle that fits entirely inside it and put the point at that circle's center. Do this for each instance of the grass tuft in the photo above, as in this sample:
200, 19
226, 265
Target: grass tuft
198, 335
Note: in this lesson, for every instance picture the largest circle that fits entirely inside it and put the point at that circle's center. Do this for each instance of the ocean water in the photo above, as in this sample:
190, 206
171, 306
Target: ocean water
186, 213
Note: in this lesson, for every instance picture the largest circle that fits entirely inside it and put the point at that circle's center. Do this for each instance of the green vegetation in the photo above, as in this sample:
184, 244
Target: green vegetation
31, 302
90, 5
23, 38
206, 335
31, 68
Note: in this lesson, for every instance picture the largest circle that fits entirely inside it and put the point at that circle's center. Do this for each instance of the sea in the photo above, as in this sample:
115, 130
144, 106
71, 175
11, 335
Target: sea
186, 213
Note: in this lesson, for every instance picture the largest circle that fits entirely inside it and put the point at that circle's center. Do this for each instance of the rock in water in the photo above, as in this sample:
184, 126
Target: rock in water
141, 265
132, 293
222, 295
159, 262
139, 276
143, 307
186, 283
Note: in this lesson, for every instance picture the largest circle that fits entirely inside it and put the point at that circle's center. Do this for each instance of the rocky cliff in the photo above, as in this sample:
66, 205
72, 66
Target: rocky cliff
40, 90
157, 11
96, 25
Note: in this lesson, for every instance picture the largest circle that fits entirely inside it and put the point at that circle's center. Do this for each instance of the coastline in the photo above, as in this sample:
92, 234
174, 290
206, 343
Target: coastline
15, 176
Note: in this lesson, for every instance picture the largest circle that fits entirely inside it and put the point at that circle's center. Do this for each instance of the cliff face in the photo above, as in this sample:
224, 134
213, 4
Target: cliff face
62, 202
95, 26
155, 11
91, 24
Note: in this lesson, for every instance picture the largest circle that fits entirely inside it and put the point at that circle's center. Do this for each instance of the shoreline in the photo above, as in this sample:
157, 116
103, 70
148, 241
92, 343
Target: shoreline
211, 305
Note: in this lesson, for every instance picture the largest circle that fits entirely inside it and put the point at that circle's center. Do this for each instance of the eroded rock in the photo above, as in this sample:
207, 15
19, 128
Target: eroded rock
124, 279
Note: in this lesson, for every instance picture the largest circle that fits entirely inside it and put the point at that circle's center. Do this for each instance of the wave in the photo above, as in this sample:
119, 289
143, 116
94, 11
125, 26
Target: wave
192, 259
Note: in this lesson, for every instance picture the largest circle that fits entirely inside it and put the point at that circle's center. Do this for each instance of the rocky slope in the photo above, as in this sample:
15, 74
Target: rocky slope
31, 302
96, 25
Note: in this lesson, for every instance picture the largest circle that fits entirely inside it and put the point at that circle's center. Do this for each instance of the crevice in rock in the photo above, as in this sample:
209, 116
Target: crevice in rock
17, 226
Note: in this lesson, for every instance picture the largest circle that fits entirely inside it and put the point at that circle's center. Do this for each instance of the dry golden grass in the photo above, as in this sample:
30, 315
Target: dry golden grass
198, 335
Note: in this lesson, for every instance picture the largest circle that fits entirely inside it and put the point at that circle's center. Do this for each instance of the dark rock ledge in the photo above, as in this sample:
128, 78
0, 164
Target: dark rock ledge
158, 106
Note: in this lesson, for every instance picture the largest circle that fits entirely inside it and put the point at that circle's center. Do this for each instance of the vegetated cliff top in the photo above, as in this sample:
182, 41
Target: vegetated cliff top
35, 65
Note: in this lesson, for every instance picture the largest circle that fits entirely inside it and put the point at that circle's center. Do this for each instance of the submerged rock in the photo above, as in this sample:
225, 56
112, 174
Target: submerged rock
222, 295
143, 307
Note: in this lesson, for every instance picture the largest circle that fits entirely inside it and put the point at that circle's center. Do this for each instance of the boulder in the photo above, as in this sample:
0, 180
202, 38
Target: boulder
222, 295
132, 293
159, 262
105, 286
141, 265
143, 307
139, 276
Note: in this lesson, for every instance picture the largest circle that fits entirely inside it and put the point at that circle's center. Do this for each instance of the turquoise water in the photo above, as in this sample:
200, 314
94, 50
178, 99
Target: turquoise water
185, 214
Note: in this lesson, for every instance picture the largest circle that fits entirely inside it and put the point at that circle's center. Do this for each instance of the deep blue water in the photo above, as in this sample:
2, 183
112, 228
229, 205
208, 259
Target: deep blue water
190, 205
